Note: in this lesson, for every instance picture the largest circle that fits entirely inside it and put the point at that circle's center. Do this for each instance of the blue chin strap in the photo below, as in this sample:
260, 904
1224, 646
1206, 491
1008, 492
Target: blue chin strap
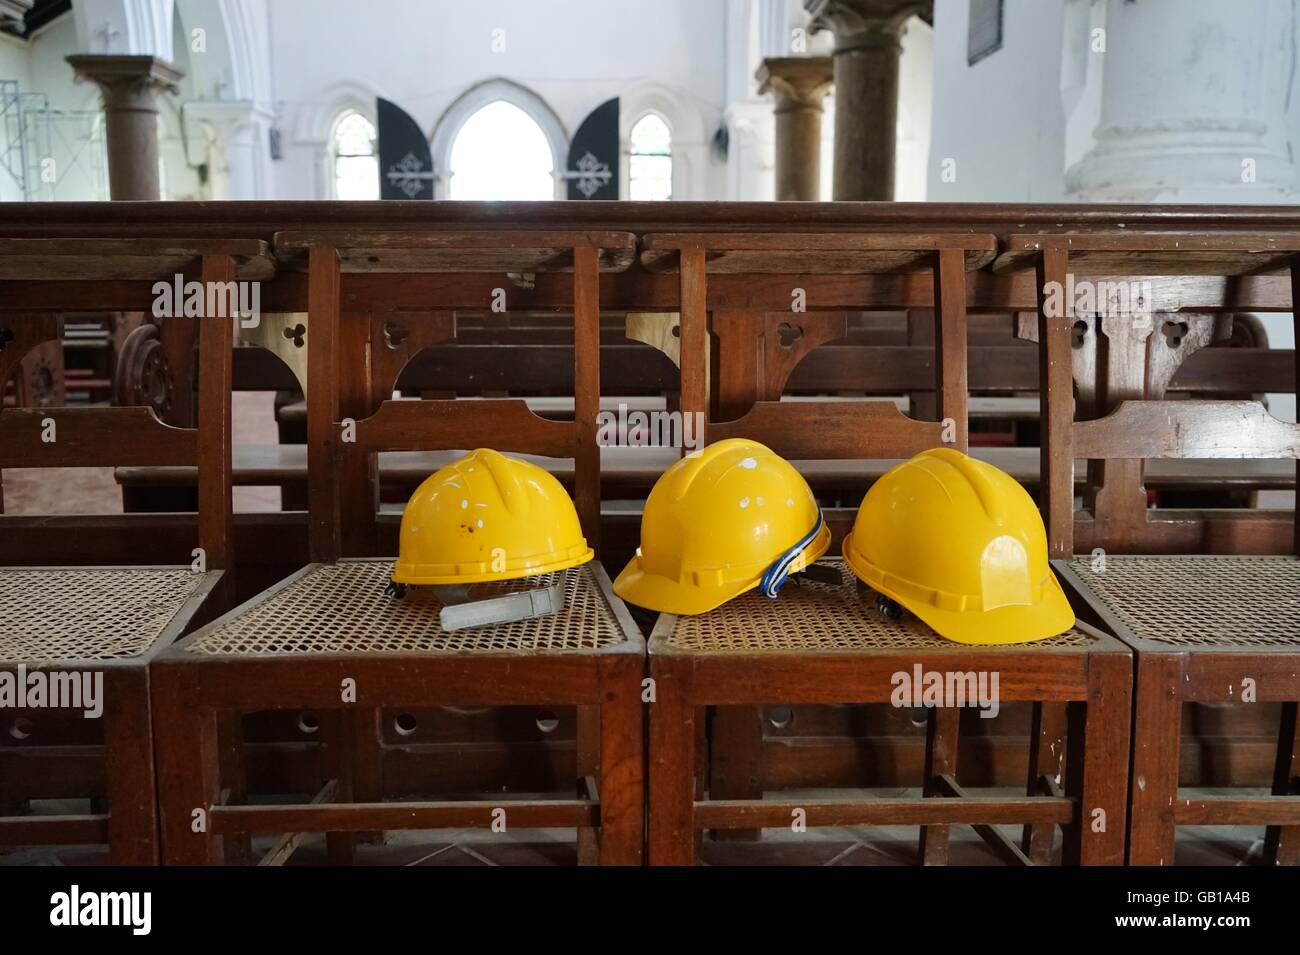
776, 575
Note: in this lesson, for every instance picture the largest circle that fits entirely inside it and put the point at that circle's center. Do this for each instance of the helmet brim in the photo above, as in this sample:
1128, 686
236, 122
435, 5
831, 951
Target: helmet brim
1027, 623
419, 575
638, 586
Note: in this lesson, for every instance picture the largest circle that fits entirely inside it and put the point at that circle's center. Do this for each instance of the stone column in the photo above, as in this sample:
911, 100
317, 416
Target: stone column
1193, 104
130, 87
868, 43
800, 83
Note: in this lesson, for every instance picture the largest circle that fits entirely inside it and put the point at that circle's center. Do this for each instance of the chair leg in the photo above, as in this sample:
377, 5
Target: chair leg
1153, 785
672, 771
230, 734
1282, 843
622, 763
587, 764
941, 741
188, 760
336, 757
367, 764
128, 752
736, 762
1097, 759
1046, 759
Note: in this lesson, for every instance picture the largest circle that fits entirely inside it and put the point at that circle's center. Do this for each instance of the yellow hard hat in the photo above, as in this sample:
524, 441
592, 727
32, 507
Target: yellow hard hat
960, 544
719, 522
488, 517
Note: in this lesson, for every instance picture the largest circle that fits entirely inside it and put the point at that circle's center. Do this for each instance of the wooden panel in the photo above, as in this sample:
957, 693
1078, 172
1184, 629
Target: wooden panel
53, 830
19, 334
1187, 429
840, 429
92, 437
506, 424
216, 508
881, 369
988, 810
486, 251
640, 290
586, 393
813, 253
127, 259
951, 382
1055, 372
356, 817
323, 361
1157, 253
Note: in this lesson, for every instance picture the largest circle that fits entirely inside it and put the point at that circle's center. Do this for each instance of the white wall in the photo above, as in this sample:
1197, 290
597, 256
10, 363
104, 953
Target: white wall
39, 66
1000, 121
422, 55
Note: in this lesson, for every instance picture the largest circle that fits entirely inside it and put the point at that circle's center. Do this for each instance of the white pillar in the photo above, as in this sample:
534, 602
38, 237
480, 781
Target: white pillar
751, 172
237, 146
1193, 104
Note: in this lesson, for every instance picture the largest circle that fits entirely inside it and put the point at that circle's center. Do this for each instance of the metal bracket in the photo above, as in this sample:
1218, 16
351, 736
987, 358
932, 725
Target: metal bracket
459, 611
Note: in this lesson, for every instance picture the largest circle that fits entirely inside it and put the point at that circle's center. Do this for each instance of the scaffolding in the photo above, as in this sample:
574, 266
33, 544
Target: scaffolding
49, 154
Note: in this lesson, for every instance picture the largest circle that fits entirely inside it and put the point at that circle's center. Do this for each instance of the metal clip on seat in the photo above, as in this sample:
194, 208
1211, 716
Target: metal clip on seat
459, 612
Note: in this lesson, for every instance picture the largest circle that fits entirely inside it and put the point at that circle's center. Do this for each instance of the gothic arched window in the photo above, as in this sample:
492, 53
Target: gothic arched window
650, 166
354, 154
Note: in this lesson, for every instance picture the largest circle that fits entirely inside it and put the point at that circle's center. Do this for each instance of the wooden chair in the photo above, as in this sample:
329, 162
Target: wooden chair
101, 622
820, 642
279, 651
1220, 627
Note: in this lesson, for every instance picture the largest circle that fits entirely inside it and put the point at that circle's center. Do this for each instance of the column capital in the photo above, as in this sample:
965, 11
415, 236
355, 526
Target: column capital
798, 82
223, 116
127, 81
859, 24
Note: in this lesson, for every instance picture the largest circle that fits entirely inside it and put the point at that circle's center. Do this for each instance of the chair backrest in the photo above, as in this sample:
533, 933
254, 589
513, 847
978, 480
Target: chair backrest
823, 429
1135, 422
122, 436
337, 442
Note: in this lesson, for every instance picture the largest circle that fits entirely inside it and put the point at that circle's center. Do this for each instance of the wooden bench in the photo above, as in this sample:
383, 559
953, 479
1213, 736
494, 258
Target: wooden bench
819, 643
275, 652
1222, 629
107, 623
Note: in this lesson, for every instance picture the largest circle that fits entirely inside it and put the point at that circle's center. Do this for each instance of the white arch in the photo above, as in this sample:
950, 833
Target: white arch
316, 117
691, 140
474, 99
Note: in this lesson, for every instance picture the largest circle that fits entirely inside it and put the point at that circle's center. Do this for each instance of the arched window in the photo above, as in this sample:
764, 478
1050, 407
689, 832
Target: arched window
354, 153
650, 168
500, 152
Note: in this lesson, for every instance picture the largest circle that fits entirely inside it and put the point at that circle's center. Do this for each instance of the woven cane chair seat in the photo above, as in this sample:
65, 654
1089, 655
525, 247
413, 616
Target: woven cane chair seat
812, 617
48, 615
1201, 601
342, 608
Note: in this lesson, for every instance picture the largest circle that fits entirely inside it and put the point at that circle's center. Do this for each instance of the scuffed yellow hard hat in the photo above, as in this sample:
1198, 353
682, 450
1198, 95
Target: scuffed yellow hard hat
719, 522
960, 544
488, 517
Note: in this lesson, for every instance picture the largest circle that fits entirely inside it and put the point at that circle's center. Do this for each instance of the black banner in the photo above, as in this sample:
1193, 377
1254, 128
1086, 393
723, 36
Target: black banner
405, 163
592, 169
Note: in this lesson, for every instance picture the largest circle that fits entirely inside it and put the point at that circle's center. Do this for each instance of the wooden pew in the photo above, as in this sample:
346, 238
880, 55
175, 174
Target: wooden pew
1206, 629
106, 623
